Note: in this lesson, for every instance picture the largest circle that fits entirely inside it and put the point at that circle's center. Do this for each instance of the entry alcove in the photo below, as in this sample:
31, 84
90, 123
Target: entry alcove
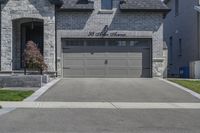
24, 30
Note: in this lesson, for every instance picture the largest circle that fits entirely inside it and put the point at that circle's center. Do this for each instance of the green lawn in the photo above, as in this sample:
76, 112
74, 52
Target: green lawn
193, 85
13, 95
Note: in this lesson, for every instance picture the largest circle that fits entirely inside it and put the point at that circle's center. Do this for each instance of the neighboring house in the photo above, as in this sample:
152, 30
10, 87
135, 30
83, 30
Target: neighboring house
86, 38
181, 33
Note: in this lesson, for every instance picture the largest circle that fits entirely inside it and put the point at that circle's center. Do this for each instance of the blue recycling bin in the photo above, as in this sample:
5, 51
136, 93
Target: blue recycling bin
184, 72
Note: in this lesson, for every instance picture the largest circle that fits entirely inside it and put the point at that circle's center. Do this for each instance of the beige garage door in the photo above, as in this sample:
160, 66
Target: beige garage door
107, 58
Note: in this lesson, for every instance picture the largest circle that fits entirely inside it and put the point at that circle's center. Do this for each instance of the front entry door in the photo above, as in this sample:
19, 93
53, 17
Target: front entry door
32, 31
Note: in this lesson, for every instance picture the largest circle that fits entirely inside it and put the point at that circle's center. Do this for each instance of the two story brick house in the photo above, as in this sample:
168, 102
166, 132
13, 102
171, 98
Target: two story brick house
86, 38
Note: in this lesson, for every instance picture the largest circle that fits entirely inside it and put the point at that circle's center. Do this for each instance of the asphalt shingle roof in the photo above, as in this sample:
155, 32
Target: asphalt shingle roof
155, 5
125, 5
56, 2
77, 4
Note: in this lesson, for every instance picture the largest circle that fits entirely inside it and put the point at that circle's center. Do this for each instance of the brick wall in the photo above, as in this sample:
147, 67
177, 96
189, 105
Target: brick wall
133, 24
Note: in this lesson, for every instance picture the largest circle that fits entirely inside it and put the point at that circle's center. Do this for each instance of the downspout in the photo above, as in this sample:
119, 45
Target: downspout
0, 36
56, 54
198, 30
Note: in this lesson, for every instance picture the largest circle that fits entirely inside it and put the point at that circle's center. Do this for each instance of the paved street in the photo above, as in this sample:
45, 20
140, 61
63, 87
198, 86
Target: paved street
106, 106
100, 121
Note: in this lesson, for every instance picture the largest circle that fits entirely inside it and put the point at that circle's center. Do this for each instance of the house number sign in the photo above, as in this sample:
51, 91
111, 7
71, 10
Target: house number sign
100, 34
104, 32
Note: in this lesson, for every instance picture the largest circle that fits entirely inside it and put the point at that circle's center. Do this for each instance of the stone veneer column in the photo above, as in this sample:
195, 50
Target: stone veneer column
49, 43
158, 58
6, 42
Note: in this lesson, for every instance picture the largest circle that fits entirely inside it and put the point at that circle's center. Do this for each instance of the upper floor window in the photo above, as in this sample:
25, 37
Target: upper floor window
106, 4
176, 7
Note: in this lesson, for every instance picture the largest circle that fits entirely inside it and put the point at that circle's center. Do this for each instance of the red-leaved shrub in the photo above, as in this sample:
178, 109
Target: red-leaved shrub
33, 58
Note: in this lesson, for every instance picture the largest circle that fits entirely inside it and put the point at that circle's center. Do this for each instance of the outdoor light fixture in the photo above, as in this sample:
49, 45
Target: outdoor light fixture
32, 24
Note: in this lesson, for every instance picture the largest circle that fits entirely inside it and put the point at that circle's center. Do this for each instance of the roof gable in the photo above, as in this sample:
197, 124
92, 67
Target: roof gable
56, 2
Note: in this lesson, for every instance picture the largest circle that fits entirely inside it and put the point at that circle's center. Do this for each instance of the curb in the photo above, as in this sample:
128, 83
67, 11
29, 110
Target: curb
41, 91
197, 95
33, 97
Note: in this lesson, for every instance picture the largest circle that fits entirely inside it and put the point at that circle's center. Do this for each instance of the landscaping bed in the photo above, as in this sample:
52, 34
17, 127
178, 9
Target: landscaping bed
193, 85
14, 95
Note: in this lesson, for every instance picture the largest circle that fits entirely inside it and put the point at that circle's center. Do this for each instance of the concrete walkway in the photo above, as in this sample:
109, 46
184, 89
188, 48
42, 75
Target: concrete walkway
99, 105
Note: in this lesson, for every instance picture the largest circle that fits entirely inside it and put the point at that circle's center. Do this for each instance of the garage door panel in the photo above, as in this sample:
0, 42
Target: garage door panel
135, 55
95, 62
118, 62
104, 60
73, 72
135, 63
94, 55
73, 55
117, 55
73, 50
117, 71
95, 72
73, 62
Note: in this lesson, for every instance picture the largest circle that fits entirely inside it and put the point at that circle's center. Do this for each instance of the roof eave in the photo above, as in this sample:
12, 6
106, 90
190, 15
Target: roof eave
166, 1
56, 2
3, 1
75, 10
145, 10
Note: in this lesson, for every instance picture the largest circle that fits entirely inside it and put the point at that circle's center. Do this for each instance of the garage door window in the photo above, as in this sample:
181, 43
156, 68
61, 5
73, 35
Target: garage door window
74, 43
122, 43
117, 43
93, 43
139, 43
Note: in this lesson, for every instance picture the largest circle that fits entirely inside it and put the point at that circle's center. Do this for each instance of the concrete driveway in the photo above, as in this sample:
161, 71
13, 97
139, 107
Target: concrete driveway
107, 120
116, 90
